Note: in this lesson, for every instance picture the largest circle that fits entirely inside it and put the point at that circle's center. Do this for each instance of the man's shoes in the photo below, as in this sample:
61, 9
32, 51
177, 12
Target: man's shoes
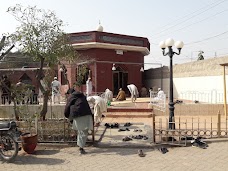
82, 151
115, 125
107, 125
121, 129
127, 124
137, 130
163, 150
127, 138
199, 143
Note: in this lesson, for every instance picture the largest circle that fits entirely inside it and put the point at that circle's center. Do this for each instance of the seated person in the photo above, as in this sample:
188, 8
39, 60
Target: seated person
144, 92
121, 95
160, 95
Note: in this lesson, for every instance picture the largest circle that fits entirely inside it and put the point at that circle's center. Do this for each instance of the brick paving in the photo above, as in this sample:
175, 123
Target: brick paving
111, 153
53, 158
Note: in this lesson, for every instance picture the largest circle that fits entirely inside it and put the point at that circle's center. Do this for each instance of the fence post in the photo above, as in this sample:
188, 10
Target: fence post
153, 126
36, 124
219, 124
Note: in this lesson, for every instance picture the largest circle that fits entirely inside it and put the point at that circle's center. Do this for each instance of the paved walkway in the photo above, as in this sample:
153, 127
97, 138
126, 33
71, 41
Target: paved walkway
53, 158
112, 154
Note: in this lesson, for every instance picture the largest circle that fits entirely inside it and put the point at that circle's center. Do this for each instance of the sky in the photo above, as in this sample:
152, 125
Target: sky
201, 24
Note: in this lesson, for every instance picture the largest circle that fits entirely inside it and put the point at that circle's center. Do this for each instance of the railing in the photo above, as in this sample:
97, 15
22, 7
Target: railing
158, 103
212, 96
207, 127
7, 100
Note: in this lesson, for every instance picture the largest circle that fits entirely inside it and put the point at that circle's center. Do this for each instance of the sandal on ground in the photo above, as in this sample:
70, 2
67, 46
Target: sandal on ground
163, 150
116, 125
127, 124
141, 154
121, 129
138, 137
145, 137
107, 125
126, 138
137, 130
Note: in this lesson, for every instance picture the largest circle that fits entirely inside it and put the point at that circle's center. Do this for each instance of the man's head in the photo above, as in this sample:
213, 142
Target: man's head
159, 89
55, 78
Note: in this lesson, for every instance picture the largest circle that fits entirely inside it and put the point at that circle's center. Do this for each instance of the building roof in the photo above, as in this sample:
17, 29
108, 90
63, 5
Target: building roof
105, 40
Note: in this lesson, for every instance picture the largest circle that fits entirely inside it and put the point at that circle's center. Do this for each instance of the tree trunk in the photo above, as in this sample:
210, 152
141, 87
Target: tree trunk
45, 105
16, 113
45, 92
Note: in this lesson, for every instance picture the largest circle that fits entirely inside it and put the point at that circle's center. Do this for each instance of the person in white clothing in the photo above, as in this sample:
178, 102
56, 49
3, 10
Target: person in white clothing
55, 85
98, 106
160, 95
134, 92
89, 87
108, 95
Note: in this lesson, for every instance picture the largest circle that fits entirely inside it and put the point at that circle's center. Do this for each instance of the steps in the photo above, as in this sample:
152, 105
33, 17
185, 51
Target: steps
128, 113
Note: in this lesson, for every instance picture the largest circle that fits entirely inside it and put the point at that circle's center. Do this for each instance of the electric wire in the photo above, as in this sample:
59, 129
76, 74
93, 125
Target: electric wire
200, 21
172, 22
181, 22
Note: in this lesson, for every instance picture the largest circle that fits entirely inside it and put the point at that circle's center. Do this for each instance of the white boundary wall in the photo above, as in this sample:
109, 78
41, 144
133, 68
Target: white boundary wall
198, 80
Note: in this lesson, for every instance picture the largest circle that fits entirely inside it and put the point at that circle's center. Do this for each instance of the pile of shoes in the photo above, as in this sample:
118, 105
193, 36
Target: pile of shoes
127, 124
115, 125
137, 130
127, 138
178, 101
198, 142
163, 150
144, 137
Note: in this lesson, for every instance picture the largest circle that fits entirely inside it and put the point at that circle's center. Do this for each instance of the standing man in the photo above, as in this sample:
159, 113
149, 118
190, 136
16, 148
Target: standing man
55, 85
134, 92
77, 110
89, 87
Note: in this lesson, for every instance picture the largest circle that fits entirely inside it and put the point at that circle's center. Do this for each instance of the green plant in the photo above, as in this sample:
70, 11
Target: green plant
41, 37
28, 116
81, 75
20, 97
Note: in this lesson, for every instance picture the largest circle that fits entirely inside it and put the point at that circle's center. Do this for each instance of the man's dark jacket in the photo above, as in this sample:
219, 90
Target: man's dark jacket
77, 106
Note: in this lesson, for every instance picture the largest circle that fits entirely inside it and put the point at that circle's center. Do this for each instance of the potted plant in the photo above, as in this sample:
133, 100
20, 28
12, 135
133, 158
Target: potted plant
27, 118
29, 139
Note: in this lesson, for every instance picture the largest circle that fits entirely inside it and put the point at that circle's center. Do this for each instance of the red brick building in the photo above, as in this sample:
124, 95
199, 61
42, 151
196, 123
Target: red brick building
105, 50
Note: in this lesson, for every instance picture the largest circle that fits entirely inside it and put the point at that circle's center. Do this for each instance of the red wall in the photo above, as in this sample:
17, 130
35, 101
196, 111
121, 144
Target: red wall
104, 70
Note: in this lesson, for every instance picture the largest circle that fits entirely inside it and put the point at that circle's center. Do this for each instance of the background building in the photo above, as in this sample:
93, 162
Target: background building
105, 52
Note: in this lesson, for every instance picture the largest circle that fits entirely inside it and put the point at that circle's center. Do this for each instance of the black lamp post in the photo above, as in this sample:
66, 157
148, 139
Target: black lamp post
179, 45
